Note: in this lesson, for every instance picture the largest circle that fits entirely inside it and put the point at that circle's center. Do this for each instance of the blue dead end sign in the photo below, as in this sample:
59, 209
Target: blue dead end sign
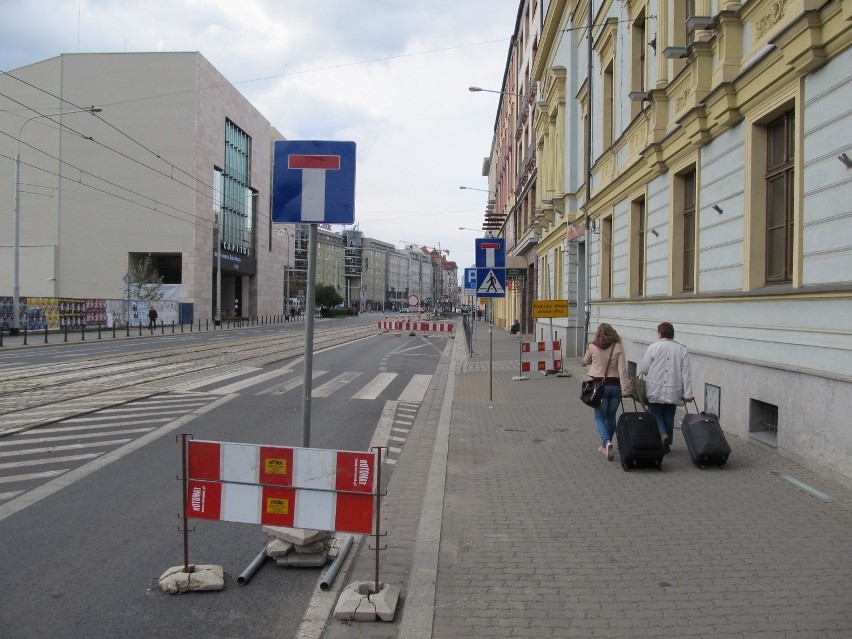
313, 182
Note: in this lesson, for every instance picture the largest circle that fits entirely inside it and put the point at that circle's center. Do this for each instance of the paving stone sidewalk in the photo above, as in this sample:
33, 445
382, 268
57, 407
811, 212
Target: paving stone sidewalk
540, 536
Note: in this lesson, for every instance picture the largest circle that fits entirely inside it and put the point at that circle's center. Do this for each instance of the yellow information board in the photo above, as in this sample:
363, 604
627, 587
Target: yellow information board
550, 308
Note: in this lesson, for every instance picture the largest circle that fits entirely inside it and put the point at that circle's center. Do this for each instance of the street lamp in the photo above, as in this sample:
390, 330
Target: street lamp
470, 188
14, 327
480, 89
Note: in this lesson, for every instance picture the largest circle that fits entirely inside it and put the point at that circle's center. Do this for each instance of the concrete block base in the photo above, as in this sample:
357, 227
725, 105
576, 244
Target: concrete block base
359, 602
208, 577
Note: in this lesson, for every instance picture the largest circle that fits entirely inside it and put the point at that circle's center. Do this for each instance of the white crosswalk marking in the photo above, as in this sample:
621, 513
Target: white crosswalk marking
16, 478
372, 390
47, 460
54, 449
289, 384
335, 384
56, 438
251, 381
416, 389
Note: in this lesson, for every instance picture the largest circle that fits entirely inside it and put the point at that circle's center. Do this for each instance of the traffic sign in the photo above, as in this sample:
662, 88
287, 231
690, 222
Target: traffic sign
470, 281
550, 308
490, 252
313, 182
491, 282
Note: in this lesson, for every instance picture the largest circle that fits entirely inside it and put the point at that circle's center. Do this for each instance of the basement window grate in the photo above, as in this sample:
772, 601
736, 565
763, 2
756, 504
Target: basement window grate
763, 422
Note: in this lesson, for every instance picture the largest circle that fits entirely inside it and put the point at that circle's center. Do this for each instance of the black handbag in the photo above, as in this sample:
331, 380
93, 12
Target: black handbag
592, 390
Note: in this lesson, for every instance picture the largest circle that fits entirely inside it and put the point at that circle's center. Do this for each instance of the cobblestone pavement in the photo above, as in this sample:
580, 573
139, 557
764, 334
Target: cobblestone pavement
503, 520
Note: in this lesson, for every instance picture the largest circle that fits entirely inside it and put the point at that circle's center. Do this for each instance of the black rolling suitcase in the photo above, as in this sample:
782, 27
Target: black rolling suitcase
704, 438
639, 441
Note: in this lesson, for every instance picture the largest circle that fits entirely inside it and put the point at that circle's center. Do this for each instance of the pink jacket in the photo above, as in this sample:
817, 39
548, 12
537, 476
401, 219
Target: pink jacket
617, 364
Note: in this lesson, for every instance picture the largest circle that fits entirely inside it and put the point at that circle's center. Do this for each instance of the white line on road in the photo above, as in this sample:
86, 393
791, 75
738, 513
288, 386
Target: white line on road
335, 384
372, 390
55, 485
51, 449
416, 389
48, 473
46, 440
48, 460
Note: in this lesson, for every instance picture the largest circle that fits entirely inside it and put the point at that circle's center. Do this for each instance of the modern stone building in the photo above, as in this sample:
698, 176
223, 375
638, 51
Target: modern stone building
174, 150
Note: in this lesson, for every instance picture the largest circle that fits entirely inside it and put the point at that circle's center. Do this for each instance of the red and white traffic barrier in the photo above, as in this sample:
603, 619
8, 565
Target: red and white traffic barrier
278, 486
550, 354
423, 327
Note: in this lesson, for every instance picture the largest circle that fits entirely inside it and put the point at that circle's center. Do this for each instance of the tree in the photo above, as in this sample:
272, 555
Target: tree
326, 297
145, 283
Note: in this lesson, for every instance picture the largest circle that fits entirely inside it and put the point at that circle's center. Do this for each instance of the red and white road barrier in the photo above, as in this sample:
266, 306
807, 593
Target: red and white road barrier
549, 353
423, 327
278, 486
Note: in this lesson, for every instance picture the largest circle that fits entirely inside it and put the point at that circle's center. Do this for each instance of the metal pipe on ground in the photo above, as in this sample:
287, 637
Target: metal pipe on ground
327, 580
252, 568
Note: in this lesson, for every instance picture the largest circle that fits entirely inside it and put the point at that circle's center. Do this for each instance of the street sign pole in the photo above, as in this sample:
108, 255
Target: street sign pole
310, 311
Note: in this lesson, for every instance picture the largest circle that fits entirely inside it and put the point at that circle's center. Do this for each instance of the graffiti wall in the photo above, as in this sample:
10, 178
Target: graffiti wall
38, 313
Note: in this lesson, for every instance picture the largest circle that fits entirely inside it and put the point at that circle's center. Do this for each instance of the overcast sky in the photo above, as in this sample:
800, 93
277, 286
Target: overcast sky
390, 75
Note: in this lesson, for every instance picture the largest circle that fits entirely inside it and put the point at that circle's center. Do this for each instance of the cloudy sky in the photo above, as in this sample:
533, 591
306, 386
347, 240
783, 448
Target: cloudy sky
391, 75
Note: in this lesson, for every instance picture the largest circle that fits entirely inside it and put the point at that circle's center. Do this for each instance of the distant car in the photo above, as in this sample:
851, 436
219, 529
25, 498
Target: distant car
404, 310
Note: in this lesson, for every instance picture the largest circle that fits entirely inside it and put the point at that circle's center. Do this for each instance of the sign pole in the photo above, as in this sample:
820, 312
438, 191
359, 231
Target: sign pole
491, 351
310, 311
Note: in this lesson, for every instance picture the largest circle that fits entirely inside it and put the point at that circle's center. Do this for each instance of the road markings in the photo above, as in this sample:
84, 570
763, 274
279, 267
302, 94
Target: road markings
416, 389
379, 383
11, 479
335, 384
47, 460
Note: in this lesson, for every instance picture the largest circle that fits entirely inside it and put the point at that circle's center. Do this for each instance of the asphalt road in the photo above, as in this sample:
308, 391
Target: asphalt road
89, 507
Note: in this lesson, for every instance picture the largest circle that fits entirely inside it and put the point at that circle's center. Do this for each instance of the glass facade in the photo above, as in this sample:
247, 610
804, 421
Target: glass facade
236, 196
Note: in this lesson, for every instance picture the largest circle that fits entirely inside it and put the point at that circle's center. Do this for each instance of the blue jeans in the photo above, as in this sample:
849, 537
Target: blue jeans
605, 413
664, 414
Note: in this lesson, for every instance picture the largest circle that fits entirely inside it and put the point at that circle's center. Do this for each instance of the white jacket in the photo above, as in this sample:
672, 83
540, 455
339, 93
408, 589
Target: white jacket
667, 376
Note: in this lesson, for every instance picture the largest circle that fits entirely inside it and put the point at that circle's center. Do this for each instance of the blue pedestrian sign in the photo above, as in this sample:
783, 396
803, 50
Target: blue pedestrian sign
491, 282
313, 182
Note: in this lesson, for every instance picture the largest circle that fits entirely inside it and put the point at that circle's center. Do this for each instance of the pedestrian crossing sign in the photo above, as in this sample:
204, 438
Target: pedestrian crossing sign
491, 282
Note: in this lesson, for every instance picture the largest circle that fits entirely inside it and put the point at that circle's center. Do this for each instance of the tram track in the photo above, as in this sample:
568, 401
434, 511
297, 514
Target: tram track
48, 394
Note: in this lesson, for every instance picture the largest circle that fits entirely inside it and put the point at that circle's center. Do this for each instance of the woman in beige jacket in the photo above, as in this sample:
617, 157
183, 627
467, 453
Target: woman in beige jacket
606, 356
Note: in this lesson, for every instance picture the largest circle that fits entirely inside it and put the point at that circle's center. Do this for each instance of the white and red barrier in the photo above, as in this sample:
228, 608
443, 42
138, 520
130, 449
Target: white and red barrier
277, 486
549, 356
423, 327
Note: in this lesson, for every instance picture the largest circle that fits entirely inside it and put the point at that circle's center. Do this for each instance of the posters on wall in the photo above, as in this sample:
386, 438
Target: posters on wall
38, 313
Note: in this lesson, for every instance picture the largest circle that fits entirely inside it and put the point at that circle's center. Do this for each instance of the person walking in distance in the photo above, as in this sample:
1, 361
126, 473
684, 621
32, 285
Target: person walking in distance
606, 356
668, 380
152, 318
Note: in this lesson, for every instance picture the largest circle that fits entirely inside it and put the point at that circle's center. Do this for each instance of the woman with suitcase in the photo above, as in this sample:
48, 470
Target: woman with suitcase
606, 356
668, 380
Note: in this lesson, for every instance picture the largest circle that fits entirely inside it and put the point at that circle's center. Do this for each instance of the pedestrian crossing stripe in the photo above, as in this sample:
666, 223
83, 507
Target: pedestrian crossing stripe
491, 284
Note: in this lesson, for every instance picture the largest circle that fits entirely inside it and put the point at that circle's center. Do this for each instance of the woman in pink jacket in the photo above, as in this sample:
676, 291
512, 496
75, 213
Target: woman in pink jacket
606, 356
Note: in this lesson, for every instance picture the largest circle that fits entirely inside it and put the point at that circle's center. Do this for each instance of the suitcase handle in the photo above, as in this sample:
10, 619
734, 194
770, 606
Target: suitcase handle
686, 406
635, 407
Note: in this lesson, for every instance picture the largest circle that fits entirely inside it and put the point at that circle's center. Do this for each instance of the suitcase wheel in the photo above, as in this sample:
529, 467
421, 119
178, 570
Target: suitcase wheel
625, 467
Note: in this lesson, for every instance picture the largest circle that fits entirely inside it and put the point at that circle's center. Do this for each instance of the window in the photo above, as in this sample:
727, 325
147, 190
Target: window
608, 106
779, 198
637, 252
763, 422
236, 196
606, 257
689, 220
638, 80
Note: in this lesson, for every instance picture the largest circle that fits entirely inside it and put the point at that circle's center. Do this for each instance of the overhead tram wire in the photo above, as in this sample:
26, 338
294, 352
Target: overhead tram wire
111, 194
207, 194
192, 177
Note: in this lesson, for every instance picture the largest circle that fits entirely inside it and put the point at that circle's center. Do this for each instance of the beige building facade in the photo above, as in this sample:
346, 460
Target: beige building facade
177, 165
700, 172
